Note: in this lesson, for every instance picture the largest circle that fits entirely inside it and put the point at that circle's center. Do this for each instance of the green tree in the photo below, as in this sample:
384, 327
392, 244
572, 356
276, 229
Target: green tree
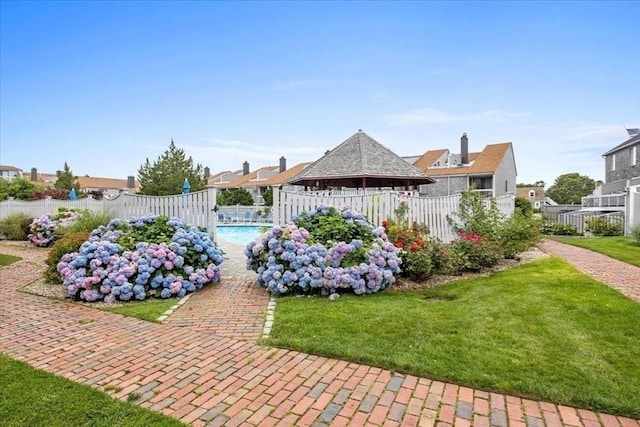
535, 184
234, 196
18, 188
524, 206
166, 175
570, 188
267, 196
66, 180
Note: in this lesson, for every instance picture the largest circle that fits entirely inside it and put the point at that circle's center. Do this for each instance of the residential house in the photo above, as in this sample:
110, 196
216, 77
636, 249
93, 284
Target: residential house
282, 178
109, 187
253, 182
224, 177
620, 191
622, 165
491, 171
10, 172
534, 194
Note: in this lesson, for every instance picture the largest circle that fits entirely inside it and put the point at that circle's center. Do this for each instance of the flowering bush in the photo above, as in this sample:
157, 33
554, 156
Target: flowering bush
44, 230
148, 256
473, 252
325, 250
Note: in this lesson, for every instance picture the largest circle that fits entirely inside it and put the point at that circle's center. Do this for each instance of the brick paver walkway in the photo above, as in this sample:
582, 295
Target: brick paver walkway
621, 276
213, 375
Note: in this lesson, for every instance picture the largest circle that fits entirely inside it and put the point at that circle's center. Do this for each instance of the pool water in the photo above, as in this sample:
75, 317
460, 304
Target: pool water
239, 234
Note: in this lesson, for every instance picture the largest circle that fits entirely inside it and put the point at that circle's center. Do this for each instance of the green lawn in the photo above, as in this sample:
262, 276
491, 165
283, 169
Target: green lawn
31, 397
622, 248
542, 330
148, 310
8, 259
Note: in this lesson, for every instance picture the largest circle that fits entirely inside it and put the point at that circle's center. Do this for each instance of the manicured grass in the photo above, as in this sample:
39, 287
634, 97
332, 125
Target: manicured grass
542, 330
31, 397
146, 310
8, 259
622, 248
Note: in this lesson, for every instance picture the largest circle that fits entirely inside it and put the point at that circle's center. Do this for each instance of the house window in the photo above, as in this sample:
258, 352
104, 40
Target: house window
632, 160
613, 162
506, 185
532, 193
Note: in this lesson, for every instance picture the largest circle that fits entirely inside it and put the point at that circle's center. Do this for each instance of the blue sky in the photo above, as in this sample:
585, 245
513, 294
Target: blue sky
105, 85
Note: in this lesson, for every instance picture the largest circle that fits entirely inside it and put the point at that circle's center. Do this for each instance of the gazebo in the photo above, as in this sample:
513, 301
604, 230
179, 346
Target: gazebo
360, 162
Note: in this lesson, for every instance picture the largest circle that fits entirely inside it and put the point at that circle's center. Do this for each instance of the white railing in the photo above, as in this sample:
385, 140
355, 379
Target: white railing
430, 211
608, 201
194, 208
579, 219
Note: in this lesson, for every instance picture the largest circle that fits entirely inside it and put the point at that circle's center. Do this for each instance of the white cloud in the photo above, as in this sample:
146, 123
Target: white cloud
435, 116
222, 155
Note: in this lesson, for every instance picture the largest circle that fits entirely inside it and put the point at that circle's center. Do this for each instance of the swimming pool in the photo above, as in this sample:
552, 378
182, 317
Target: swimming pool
239, 234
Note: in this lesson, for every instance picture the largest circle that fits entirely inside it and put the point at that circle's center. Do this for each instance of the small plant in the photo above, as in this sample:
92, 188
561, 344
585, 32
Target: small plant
47, 228
605, 226
88, 221
635, 233
133, 396
12, 227
558, 229
69, 243
518, 233
113, 388
472, 252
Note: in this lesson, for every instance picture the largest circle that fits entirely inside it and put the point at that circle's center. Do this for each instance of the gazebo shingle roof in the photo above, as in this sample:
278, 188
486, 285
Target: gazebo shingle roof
360, 162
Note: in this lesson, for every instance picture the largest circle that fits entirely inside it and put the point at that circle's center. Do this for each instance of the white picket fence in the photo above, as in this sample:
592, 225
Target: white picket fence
431, 211
197, 208
194, 208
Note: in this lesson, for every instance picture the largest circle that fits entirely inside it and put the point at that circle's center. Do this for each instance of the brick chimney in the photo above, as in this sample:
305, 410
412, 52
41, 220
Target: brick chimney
207, 172
245, 168
283, 164
34, 174
131, 182
464, 149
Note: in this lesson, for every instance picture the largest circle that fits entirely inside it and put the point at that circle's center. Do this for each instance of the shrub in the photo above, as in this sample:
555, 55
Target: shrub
477, 215
472, 252
12, 226
518, 233
558, 229
635, 233
524, 207
413, 242
340, 251
54, 193
417, 265
605, 226
45, 229
67, 244
88, 221
152, 256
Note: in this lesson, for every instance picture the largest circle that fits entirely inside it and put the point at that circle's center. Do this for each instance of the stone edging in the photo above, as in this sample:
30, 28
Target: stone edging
269, 318
168, 313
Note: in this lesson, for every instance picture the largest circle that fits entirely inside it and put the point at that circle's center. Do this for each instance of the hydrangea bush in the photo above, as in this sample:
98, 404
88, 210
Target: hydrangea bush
324, 251
152, 256
44, 229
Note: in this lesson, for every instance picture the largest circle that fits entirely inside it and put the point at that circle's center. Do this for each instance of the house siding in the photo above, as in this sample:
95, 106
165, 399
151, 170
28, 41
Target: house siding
445, 186
506, 172
623, 170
